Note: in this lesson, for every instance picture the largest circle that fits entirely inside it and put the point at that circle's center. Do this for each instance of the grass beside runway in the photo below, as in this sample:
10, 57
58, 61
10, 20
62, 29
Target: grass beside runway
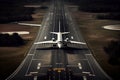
97, 38
11, 57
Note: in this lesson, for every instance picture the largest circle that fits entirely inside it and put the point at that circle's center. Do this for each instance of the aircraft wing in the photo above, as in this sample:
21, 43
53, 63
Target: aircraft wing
28, 24
45, 42
76, 42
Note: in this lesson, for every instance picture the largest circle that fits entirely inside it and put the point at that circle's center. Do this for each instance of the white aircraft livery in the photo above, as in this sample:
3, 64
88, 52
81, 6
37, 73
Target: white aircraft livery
59, 42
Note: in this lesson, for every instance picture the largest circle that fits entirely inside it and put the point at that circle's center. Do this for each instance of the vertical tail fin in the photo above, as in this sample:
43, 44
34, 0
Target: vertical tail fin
60, 31
59, 27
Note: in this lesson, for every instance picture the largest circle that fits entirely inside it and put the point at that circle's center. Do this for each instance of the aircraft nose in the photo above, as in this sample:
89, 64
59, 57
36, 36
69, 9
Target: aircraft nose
59, 45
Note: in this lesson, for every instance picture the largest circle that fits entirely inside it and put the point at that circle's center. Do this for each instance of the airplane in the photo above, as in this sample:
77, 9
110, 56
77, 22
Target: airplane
60, 42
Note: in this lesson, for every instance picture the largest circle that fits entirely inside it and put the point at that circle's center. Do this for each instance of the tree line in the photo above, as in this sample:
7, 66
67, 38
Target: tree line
13, 40
110, 7
14, 10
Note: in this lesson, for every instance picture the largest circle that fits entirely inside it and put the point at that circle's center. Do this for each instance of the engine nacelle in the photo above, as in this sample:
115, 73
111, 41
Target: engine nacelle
53, 39
67, 39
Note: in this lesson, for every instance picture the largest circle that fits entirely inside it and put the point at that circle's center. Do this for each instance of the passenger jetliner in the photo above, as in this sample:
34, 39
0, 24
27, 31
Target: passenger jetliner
60, 42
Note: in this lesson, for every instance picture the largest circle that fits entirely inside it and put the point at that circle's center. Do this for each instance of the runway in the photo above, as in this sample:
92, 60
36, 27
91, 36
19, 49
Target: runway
59, 64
